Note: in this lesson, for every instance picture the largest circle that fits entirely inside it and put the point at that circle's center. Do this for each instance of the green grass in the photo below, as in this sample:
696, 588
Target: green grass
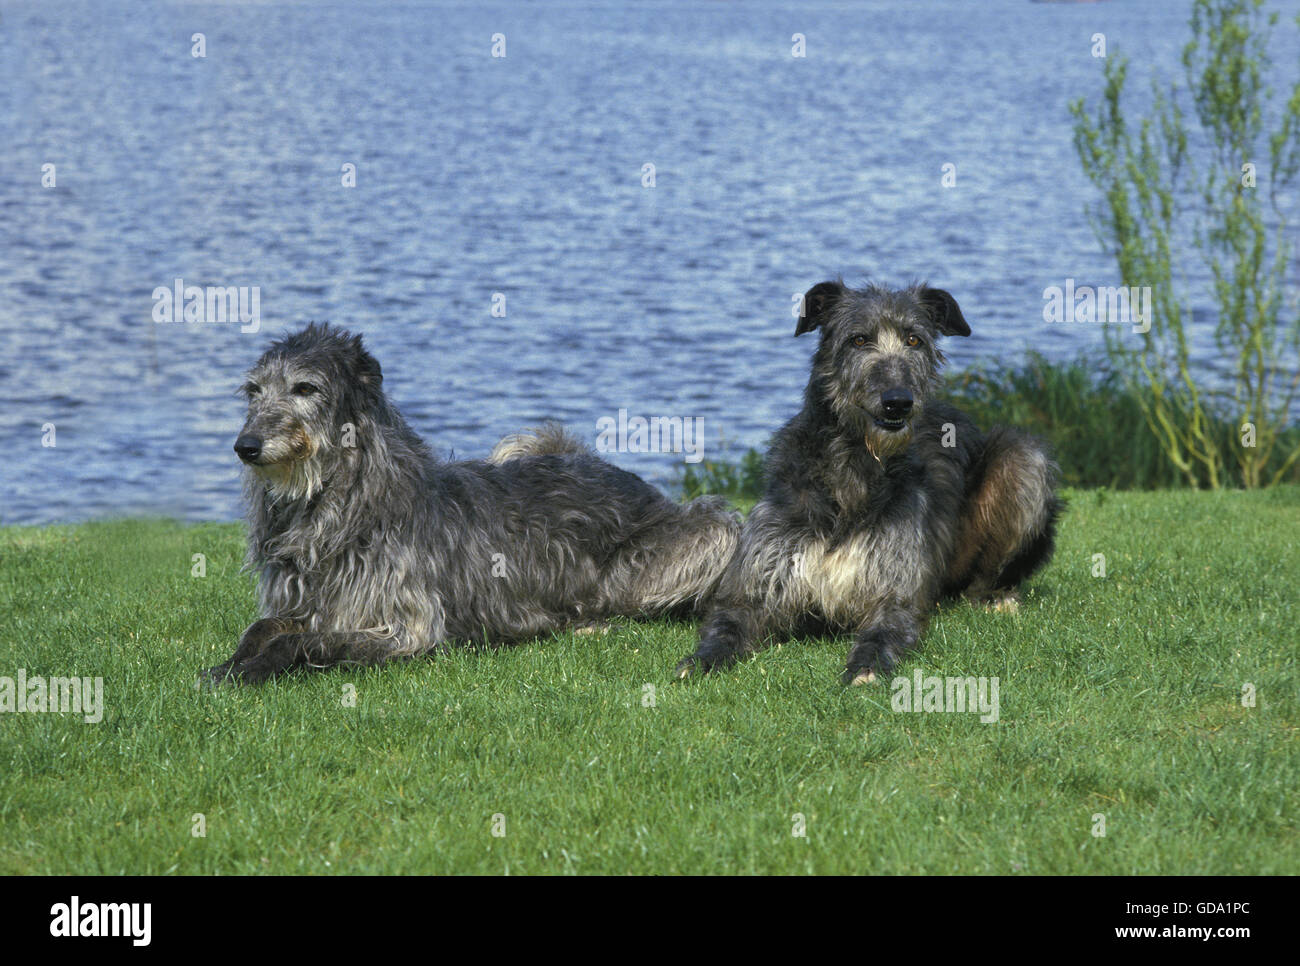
1119, 696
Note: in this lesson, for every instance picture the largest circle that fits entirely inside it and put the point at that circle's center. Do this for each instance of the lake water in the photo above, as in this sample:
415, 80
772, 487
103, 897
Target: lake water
520, 175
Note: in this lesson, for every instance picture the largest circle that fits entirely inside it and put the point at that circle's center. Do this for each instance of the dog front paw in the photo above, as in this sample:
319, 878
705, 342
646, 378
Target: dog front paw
256, 670
689, 666
868, 661
709, 656
215, 677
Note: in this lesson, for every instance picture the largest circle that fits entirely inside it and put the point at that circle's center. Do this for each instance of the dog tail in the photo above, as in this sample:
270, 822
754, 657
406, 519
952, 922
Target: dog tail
676, 567
547, 439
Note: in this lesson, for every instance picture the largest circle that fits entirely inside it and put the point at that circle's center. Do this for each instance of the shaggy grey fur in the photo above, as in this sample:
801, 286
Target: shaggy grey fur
368, 548
878, 500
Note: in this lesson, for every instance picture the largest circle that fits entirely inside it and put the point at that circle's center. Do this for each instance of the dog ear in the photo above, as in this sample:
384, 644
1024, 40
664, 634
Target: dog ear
817, 303
943, 309
367, 366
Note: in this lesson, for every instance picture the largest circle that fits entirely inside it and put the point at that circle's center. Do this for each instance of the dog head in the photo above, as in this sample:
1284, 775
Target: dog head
305, 399
879, 356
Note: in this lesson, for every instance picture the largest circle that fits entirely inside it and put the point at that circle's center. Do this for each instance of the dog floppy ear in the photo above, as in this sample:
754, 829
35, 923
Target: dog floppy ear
367, 366
817, 303
943, 309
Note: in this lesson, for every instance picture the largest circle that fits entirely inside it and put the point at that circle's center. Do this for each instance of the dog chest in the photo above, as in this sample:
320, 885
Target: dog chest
849, 581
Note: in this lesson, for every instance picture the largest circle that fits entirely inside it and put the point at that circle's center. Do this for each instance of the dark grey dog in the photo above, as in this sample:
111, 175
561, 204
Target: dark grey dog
878, 501
368, 548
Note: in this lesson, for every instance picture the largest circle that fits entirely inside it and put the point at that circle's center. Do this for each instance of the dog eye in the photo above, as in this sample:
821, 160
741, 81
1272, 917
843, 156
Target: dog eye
861, 341
304, 389
913, 341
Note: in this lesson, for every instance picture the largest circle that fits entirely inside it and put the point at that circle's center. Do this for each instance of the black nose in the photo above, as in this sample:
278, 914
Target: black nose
896, 403
248, 447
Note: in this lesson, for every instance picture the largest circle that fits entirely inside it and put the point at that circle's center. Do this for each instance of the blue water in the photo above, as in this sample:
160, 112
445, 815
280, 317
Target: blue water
519, 175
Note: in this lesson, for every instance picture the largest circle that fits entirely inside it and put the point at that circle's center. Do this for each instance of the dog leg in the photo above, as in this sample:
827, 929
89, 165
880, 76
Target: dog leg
880, 645
741, 620
259, 634
728, 634
1008, 523
674, 566
313, 650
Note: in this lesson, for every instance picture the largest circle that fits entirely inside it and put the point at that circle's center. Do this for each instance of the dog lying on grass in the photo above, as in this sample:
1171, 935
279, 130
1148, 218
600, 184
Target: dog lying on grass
368, 548
879, 501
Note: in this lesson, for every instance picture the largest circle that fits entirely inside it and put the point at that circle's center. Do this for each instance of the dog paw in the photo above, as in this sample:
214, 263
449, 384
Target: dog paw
214, 677
707, 658
868, 661
857, 676
688, 667
256, 670
252, 671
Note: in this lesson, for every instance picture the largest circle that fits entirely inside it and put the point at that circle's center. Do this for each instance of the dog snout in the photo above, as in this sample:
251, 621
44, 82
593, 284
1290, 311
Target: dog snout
896, 403
248, 447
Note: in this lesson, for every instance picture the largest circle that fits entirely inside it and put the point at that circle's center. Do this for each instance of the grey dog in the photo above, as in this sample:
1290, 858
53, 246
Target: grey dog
878, 500
368, 548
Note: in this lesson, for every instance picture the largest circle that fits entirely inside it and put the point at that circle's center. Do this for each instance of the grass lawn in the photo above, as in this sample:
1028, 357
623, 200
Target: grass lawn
1119, 697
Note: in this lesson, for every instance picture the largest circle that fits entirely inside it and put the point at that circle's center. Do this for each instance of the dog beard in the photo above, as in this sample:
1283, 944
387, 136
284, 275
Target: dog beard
298, 476
883, 443
880, 442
